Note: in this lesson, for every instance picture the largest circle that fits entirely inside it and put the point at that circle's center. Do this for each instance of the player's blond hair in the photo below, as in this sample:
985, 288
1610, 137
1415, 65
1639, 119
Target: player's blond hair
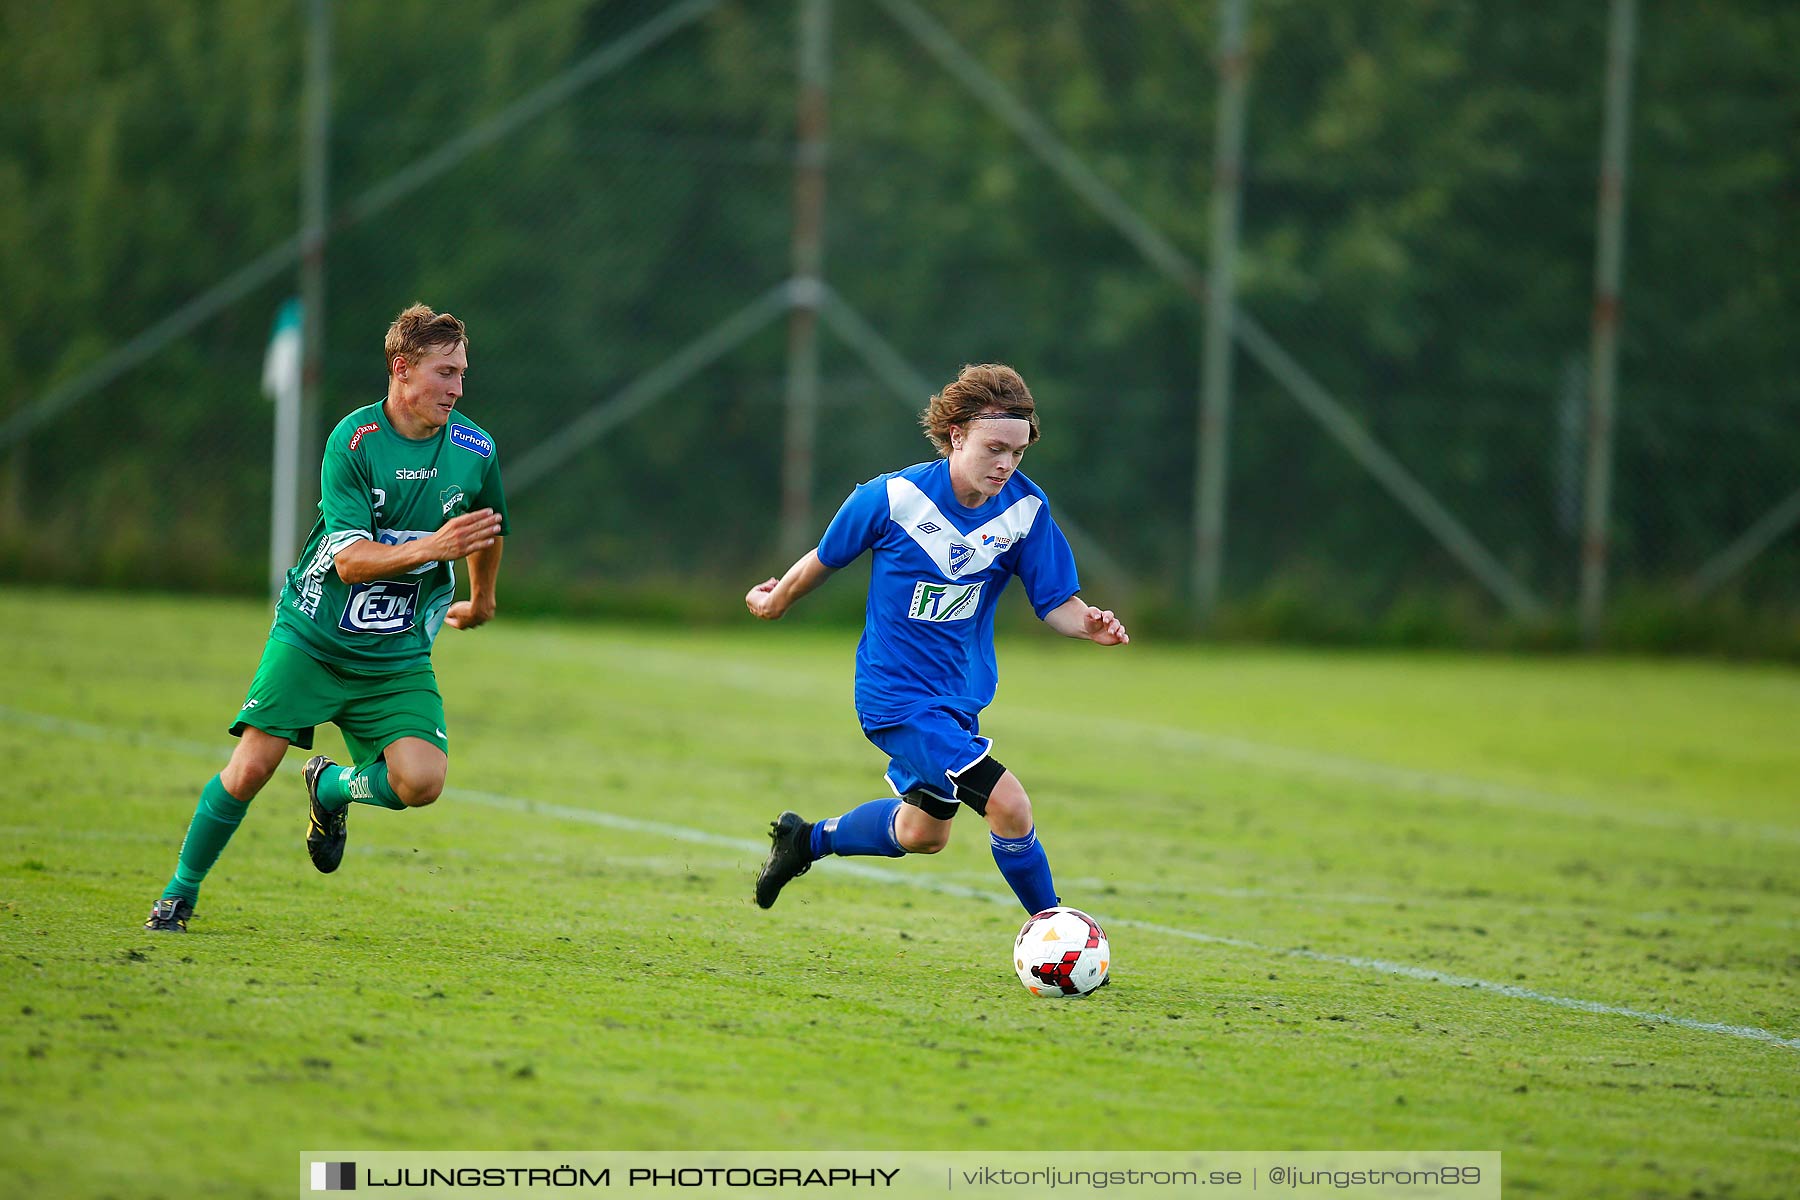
982, 389
418, 329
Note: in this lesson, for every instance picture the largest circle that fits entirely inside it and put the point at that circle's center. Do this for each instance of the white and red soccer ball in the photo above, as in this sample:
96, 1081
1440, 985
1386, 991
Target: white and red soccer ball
1061, 953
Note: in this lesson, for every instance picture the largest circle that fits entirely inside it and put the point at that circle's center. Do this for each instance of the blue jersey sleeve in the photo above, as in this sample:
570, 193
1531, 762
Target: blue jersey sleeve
1046, 566
857, 524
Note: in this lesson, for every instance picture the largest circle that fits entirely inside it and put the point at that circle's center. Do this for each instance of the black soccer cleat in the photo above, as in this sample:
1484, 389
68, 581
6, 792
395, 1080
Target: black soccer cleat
170, 915
325, 830
789, 858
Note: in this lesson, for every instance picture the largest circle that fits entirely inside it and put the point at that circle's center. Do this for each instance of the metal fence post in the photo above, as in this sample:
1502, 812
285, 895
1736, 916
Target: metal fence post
314, 207
808, 261
1609, 258
1214, 435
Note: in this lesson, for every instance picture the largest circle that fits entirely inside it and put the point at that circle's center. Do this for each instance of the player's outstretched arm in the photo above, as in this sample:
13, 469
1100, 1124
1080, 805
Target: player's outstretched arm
771, 598
363, 560
484, 573
1077, 618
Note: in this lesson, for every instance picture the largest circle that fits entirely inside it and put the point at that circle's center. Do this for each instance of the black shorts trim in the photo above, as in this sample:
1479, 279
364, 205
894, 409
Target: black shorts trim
975, 783
932, 804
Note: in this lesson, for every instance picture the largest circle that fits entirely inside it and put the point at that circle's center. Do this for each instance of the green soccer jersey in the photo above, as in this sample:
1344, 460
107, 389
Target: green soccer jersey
375, 484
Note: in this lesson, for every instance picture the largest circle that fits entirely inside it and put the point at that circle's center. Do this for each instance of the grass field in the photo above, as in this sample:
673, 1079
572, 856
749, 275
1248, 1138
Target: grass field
1357, 901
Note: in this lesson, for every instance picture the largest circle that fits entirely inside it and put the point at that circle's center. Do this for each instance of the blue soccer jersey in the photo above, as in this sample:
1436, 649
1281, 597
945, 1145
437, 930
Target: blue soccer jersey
937, 575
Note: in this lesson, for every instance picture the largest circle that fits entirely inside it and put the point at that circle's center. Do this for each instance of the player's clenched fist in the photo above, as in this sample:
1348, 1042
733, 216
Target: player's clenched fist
760, 599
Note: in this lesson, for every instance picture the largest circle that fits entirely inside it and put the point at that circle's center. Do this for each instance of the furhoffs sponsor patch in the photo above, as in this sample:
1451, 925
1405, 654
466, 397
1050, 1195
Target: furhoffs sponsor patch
472, 440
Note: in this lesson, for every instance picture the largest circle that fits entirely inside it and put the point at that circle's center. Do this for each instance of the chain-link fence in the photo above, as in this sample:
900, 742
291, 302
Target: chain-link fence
605, 192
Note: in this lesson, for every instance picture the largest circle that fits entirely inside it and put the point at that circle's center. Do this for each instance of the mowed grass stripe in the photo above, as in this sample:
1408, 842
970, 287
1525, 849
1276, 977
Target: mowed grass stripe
1054, 725
43, 723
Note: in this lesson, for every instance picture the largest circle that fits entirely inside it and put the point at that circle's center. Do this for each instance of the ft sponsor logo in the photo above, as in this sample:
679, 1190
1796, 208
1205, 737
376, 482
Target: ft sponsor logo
944, 601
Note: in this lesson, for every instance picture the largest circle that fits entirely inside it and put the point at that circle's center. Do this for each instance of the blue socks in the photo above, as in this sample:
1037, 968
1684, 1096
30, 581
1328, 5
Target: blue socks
867, 829
1027, 870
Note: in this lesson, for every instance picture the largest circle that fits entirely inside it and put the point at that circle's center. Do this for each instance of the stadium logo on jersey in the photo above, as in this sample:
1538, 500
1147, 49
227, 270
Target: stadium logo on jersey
452, 498
959, 558
409, 473
383, 607
944, 601
357, 437
995, 542
469, 439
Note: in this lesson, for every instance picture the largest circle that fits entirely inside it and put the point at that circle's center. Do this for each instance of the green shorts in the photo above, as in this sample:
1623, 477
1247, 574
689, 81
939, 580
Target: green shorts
293, 692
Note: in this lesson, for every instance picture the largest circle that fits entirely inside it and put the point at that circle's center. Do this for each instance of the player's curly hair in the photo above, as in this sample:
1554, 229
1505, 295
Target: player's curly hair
989, 388
418, 329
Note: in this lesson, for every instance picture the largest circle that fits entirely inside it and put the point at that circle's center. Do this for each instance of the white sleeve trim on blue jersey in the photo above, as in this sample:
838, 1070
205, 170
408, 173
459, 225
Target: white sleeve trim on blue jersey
976, 550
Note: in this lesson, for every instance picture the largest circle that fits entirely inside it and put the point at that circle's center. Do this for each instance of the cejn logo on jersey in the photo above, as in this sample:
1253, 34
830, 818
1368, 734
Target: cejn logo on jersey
472, 440
383, 607
944, 601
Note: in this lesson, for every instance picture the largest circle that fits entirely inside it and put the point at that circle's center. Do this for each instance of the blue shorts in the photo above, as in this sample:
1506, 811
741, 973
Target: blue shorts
927, 748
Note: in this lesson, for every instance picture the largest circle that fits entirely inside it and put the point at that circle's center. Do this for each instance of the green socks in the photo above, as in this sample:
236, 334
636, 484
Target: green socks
217, 815
216, 818
339, 786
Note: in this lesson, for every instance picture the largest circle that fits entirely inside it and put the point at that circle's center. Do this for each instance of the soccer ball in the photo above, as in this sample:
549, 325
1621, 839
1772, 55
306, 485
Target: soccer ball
1061, 953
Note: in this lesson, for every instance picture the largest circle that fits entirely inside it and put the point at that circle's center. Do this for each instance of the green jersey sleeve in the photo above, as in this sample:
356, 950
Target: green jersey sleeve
493, 495
347, 501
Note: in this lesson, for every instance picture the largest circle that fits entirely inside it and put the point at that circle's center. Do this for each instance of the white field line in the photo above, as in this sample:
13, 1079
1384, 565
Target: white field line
963, 892
1505, 908
755, 848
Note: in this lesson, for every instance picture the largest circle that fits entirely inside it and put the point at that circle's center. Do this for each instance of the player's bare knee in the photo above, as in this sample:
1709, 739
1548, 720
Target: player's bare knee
415, 791
919, 832
245, 780
247, 772
1009, 808
927, 841
254, 761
